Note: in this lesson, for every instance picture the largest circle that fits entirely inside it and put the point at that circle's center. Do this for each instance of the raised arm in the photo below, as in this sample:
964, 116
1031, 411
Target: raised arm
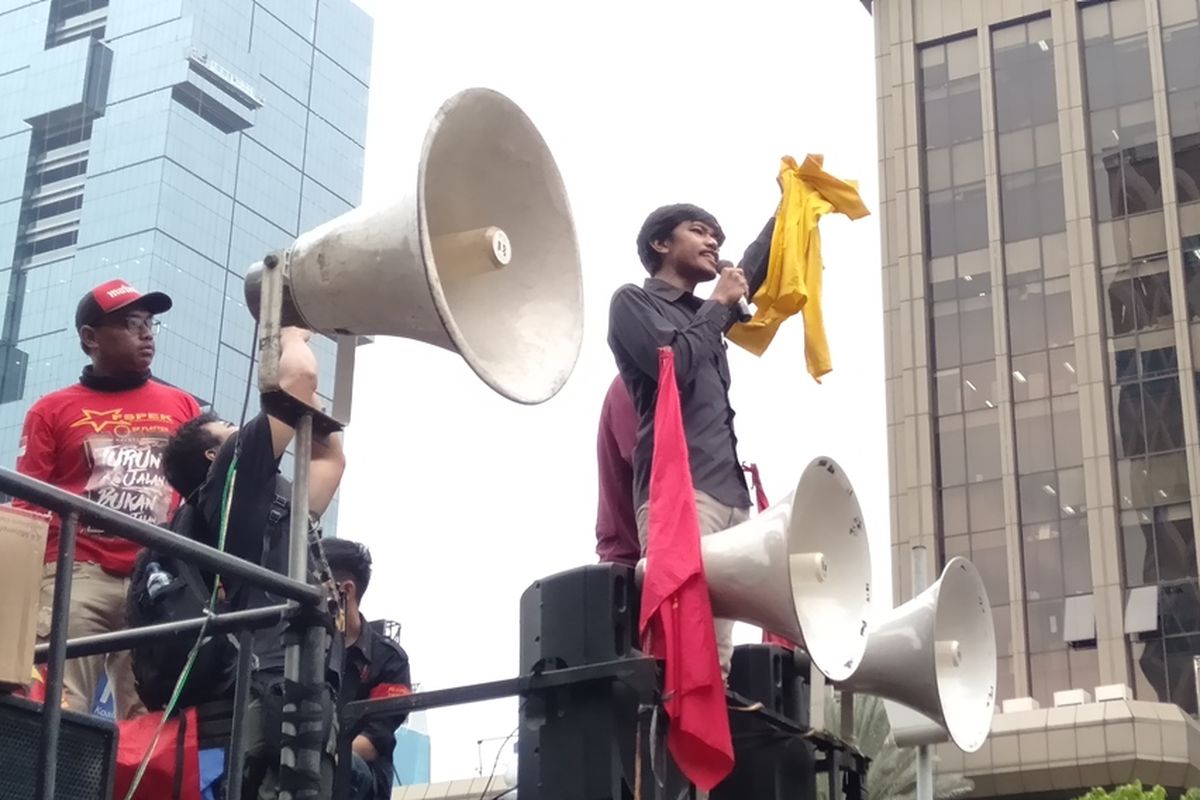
325, 474
297, 377
754, 260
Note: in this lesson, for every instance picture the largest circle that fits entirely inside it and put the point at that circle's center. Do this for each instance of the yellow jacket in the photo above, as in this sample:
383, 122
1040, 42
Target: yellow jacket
793, 281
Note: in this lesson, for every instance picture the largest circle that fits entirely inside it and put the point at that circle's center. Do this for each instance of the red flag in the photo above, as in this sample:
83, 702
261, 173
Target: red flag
677, 618
176, 759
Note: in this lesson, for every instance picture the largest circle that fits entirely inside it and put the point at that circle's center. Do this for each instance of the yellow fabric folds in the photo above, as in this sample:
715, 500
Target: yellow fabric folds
793, 281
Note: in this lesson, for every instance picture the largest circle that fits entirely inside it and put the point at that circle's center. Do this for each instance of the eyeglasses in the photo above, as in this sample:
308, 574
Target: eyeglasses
138, 324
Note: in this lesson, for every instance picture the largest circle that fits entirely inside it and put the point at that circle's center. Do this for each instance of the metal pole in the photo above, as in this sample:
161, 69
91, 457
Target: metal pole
235, 759
116, 641
847, 709
924, 773
816, 699
343, 377
52, 710
115, 523
920, 570
834, 761
1196, 678
312, 676
298, 656
920, 580
298, 532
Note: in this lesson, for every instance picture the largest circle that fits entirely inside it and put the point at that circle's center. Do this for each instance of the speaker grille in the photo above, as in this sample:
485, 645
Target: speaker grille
86, 750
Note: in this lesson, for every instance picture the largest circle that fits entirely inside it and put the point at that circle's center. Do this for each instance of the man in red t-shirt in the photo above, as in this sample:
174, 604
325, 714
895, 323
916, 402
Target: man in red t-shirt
616, 522
103, 438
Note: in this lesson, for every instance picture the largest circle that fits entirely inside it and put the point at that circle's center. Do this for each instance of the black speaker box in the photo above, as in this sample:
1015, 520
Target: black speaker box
582, 616
576, 743
774, 676
87, 748
768, 766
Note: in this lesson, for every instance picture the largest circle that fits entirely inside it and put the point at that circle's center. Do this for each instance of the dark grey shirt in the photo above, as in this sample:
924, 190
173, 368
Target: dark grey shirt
656, 314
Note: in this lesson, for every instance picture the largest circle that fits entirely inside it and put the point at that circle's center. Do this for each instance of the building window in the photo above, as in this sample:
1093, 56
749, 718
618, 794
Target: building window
1158, 542
1055, 554
1031, 192
952, 125
76, 19
1116, 59
967, 428
1163, 623
1181, 56
1158, 545
1147, 413
48, 229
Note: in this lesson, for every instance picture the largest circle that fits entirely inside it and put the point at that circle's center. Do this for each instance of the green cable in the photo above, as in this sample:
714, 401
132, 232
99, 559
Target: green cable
226, 502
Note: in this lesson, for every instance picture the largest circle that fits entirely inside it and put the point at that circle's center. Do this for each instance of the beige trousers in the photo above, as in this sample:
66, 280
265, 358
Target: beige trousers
97, 606
714, 516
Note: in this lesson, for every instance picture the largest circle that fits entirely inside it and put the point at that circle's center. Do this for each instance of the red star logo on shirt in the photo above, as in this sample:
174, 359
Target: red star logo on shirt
96, 419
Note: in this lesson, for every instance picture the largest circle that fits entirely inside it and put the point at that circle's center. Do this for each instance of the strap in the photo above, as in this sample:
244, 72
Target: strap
319, 567
214, 723
307, 721
180, 752
760, 497
193, 579
637, 761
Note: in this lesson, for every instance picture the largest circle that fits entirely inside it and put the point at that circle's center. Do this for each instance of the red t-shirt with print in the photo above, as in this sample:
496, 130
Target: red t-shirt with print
107, 447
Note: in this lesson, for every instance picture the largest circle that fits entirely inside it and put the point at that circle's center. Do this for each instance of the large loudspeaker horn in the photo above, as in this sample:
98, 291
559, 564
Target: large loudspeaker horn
476, 254
936, 654
801, 569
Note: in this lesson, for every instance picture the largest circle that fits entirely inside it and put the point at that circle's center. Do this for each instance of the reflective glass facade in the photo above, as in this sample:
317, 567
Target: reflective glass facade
172, 143
1040, 165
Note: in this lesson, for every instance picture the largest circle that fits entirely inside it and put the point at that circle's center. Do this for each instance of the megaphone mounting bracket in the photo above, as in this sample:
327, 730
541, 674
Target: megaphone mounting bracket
283, 406
275, 400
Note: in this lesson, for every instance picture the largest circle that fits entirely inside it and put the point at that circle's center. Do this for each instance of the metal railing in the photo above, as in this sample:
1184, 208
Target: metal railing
637, 673
75, 510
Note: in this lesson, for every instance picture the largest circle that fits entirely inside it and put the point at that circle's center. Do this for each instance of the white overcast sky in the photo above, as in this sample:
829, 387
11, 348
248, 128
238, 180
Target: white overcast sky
464, 498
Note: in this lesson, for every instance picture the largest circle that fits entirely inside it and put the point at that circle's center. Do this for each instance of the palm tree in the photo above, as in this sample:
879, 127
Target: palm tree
893, 771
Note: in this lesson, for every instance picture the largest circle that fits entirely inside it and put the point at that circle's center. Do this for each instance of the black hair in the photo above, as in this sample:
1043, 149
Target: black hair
660, 224
349, 561
184, 463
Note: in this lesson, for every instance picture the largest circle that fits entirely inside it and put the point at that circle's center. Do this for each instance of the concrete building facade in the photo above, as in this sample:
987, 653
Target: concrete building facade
1040, 165
172, 143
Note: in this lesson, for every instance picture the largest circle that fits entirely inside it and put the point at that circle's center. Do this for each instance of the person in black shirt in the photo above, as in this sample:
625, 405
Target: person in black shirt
199, 462
680, 247
376, 666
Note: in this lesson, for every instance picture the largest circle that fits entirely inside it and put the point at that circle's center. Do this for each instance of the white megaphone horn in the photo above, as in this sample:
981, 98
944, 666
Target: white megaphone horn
936, 654
476, 253
801, 569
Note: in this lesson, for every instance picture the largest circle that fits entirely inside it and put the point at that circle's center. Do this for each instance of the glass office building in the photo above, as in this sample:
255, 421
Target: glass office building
171, 143
411, 758
1039, 169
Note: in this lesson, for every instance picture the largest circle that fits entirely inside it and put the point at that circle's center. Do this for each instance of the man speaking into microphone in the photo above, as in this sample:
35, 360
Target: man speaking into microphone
680, 246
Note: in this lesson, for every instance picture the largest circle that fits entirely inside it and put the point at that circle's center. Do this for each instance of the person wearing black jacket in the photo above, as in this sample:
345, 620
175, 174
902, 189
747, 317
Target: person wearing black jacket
375, 667
209, 457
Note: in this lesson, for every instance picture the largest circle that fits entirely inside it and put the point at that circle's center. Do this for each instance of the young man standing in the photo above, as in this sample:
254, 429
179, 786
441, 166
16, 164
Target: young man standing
376, 666
103, 438
680, 246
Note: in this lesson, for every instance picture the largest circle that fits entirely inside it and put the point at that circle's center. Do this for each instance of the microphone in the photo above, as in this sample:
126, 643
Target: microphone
743, 308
